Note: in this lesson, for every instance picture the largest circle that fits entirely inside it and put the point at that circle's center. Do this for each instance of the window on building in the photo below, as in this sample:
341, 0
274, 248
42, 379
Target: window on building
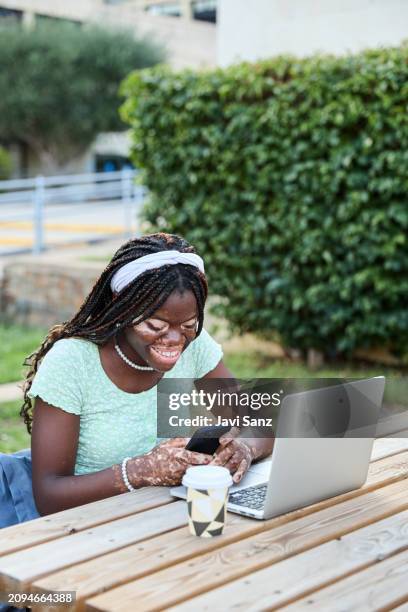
205, 10
111, 163
170, 9
10, 13
47, 18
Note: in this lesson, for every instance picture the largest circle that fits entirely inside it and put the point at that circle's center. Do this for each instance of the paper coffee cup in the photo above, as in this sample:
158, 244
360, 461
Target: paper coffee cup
207, 495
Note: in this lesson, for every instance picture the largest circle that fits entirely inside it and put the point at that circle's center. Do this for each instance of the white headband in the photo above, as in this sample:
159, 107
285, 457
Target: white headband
127, 273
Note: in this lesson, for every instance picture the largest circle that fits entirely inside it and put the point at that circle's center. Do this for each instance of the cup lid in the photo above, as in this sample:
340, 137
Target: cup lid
207, 477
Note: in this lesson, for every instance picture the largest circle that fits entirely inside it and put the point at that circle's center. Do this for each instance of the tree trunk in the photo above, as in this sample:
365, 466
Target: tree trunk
315, 359
49, 164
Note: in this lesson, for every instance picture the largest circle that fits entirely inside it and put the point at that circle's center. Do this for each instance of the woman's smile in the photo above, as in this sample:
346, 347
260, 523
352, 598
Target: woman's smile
166, 356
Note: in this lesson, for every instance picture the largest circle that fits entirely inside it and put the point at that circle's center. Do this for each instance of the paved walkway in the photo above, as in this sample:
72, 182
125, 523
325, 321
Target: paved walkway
78, 253
10, 392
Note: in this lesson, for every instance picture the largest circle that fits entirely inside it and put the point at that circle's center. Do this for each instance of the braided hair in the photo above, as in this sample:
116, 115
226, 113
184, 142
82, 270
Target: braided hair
103, 314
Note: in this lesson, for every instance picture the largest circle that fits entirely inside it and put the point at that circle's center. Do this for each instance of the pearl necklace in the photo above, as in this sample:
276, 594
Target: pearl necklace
130, 363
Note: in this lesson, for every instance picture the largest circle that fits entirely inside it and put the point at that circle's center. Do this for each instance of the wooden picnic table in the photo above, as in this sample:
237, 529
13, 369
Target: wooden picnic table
134, 552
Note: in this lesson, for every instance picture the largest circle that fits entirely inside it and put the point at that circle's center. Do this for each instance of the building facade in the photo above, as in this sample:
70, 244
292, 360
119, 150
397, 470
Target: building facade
266, 28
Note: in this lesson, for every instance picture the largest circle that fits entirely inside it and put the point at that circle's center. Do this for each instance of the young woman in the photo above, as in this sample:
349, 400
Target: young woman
93, 380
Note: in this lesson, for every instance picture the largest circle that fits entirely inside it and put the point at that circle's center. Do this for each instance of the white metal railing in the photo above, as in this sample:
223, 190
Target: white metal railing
30, 199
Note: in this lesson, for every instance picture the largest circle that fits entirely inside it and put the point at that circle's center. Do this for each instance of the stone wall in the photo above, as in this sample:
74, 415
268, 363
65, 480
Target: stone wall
38, 293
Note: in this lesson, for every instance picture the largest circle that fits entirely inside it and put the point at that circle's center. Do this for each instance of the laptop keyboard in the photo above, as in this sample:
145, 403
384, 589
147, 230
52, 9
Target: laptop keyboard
252, 497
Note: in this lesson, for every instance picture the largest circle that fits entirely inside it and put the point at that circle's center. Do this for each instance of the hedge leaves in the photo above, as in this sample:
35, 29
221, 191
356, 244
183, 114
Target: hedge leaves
290, 177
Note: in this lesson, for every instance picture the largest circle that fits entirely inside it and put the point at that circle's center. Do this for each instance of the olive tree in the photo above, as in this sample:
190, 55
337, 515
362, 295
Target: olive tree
59, 84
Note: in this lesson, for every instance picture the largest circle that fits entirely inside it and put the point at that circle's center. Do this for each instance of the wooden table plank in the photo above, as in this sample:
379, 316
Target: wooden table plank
137, 561
20, 571
386, 447
298, 576
80, 518
381, 472
177, 583
380, 587
84, 577
20, 568
402, 608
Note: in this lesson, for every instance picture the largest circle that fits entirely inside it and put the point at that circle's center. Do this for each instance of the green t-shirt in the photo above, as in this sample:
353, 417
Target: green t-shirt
113, 423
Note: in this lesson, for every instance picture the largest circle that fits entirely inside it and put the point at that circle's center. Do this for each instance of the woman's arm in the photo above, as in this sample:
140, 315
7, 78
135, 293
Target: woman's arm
54, 446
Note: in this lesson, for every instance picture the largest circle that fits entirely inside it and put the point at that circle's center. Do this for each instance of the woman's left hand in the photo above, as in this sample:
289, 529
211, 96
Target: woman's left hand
234, 454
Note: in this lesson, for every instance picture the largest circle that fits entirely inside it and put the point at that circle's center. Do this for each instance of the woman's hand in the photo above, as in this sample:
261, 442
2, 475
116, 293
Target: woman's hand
164, 465
235, 454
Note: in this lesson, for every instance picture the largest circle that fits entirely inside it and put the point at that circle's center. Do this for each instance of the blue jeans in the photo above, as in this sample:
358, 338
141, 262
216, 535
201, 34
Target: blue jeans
17, 503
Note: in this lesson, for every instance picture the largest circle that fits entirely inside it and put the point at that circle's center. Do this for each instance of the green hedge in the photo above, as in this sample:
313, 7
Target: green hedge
290, 176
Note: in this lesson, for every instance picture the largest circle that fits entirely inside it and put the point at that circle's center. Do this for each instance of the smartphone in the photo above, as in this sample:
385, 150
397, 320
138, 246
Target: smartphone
206, 439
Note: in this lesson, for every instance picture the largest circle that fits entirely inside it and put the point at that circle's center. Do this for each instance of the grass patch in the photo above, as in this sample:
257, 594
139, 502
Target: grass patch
13, 432
258, 365
16, 343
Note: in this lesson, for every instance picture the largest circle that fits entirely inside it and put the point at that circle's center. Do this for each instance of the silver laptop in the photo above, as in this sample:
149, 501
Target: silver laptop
305, 468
